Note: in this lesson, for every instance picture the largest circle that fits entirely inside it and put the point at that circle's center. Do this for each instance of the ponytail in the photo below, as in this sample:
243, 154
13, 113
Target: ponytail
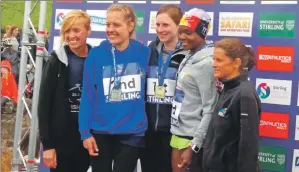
250, 59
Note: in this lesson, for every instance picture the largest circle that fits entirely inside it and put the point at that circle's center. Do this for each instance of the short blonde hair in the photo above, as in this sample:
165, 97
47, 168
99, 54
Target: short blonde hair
127, 11
72, 17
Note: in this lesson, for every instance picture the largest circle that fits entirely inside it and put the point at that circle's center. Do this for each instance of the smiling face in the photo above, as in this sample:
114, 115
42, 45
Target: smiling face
118, 29
75, 36
166, 29
190, 39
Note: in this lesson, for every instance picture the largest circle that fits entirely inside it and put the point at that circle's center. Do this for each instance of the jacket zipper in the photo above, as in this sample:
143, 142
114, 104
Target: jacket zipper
157, 109
157, 120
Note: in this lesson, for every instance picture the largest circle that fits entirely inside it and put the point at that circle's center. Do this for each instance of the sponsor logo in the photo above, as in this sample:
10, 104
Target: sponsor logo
98, 19
275, 58
152, 22
60, 14
140, 21
263, 90
211, 25
274, 125
277, 25
272, 158
274, 91
222, 112
199, 2
235, 24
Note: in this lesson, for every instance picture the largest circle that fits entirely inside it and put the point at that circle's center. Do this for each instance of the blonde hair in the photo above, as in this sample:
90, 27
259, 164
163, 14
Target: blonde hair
128, 13
72, 17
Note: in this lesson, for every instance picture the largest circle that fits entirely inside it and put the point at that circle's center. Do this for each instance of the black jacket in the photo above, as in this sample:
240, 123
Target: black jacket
58, 129
159, 113
232, 139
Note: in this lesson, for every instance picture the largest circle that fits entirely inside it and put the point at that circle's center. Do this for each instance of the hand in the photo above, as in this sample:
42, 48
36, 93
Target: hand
186, 158
49, 158
91, 145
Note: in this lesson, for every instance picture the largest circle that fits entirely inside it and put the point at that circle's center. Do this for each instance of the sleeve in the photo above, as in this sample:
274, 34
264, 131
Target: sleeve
87, 99
45, 102
249, 136
204, 77
15, 91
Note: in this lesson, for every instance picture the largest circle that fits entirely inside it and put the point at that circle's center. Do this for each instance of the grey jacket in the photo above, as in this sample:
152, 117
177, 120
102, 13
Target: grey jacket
196, 96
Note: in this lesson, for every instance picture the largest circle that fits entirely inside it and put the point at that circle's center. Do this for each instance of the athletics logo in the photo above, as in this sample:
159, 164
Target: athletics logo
263, 91
59, 18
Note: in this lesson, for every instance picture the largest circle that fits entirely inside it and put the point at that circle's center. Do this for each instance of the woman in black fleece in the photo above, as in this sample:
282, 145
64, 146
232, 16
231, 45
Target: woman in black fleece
231, 143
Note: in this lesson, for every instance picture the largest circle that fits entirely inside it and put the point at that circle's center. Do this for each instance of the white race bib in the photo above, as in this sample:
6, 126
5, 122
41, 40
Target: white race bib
168, 84
176, 108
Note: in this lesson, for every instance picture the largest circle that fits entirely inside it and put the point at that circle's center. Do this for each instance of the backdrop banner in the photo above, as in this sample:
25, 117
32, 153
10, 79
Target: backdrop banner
268, 26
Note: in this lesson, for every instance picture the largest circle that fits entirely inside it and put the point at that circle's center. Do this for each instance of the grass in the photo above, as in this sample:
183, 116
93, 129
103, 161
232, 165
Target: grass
12, 12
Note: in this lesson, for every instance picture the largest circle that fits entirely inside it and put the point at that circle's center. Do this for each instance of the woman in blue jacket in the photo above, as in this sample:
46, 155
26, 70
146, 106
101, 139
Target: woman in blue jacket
166, 56
112, 119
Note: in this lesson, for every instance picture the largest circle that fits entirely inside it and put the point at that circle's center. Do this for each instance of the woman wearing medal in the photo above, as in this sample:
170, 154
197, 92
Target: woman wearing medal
166, 56
196, 93
112, 119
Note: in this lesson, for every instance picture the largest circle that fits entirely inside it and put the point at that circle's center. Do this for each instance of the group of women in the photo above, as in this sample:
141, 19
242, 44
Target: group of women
159, 104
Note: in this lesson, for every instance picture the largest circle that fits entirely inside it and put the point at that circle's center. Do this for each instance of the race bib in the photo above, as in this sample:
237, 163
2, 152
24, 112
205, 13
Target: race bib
169, 86
176, 108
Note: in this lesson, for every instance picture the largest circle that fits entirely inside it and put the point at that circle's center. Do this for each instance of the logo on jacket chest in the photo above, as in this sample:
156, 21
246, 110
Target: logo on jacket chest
222, 112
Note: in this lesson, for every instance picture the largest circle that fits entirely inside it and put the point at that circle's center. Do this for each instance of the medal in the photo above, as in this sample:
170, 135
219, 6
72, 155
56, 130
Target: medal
160, 92
115, 95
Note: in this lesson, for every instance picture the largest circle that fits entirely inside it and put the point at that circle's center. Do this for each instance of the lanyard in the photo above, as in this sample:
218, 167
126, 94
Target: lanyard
116, 76
162, 67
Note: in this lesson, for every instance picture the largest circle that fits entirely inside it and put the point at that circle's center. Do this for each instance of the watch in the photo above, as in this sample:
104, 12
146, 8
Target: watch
195, 148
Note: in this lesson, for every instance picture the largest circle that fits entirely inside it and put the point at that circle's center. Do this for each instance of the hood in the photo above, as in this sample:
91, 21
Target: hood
206, 52
62, 53
6, 64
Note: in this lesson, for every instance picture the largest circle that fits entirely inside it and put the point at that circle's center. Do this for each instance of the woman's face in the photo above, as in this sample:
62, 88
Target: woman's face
224, 66
166, 29
76, 35
190, 39
15, 32
117, 28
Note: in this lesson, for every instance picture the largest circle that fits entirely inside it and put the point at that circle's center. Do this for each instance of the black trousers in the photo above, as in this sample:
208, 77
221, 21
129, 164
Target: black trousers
124, 157
156, 157
77, 160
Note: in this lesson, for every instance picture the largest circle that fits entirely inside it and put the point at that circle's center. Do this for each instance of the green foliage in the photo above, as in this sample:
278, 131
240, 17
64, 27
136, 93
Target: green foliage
12, 12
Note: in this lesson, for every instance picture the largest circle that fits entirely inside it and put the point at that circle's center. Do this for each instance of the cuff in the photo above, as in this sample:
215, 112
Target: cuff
196, 141
47, 145
85, 135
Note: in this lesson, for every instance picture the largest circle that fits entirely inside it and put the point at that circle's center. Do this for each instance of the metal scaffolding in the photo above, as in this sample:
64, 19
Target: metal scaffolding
18, 158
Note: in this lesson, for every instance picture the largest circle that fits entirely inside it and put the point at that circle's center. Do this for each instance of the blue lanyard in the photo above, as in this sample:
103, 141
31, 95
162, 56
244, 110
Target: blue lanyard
162, 67
116, 76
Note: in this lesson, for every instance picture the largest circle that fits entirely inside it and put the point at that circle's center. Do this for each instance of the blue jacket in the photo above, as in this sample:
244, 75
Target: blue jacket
159, 110
98, 114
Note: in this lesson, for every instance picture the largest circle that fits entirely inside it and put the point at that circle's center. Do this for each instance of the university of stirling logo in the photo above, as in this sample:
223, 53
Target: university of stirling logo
290, 24
140, 21
281, 159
